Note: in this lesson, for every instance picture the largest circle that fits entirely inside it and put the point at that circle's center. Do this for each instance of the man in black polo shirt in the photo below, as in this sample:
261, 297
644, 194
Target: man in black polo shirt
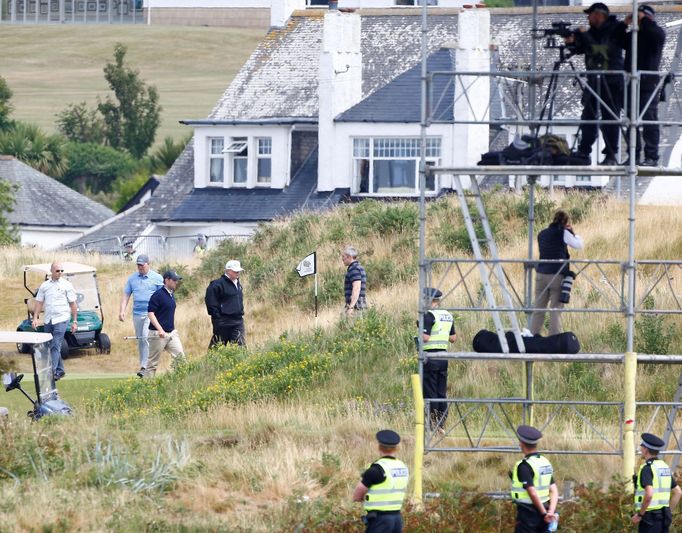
355, 282
162, 332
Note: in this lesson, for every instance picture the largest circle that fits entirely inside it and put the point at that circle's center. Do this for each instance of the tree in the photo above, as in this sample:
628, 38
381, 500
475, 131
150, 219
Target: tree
28, 143
132, 119
5, 106
80, 124
166, 154
94, 168
8, 232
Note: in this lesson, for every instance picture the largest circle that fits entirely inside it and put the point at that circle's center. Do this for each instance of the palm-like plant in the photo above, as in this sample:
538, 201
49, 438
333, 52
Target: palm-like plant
28, 143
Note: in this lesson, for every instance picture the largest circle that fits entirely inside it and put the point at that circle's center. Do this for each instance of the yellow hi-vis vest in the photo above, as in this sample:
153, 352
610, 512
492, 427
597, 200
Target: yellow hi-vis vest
661, 484
542, 479
388, 495
440, 332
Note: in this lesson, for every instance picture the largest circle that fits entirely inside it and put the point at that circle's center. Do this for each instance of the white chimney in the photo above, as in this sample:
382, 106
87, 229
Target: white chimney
340, 88
281, 10
472, 94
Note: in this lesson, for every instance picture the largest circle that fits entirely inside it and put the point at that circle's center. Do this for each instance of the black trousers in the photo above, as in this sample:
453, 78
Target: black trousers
611, 95
656, 521
649, 133
436, 386
383, 522
225, 331
528, 520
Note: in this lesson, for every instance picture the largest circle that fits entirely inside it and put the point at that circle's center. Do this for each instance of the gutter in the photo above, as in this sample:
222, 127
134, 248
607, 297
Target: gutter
257, 121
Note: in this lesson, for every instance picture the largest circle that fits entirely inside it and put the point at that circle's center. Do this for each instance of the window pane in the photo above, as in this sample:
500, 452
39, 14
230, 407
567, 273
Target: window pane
264, 169
396, 176
360, 147
362, 175
217, 146
239, 168
265, 146
216, 171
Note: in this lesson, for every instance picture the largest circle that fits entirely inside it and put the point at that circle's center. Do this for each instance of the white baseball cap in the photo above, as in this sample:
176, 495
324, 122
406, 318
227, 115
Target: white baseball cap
233, 265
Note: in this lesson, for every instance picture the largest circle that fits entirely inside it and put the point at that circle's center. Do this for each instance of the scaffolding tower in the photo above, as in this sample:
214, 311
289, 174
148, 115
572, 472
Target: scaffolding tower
487, 284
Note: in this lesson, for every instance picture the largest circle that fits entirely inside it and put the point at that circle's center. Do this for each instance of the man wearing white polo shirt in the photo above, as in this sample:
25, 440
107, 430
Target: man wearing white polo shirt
58, 298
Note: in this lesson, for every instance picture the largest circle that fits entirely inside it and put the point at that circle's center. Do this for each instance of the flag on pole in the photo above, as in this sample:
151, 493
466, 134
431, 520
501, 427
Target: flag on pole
308, 266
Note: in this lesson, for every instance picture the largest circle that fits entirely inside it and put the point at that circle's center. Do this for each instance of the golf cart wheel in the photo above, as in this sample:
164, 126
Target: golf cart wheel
103, 343
65, 349
21, 347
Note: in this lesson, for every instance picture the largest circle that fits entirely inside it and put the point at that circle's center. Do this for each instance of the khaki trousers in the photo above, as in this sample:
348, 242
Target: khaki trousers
171, 343
547, 290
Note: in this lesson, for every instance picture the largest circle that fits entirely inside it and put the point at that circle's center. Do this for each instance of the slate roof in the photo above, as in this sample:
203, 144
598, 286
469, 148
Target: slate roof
42, 201
178, 183
253, 205
400, 99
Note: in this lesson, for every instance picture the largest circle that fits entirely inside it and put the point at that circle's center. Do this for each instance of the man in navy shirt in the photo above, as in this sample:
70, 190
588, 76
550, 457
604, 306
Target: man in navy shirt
162, 332
354, 282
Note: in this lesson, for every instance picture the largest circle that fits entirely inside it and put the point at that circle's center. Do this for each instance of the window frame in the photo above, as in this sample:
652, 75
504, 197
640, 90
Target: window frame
219, 156
267, 141
367, 147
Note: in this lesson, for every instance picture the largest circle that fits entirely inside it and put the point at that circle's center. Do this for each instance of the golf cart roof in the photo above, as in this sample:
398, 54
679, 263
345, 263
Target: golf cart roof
24, 337
69, 268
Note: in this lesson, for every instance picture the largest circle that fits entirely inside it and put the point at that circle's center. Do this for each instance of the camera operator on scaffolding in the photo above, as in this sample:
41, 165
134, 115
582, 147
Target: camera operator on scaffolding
603, 95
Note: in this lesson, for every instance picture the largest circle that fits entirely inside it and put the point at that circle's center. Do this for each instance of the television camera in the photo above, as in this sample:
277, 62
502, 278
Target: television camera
558, 29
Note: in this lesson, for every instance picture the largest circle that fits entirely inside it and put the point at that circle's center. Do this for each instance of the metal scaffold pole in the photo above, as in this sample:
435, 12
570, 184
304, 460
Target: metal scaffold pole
630, 366
480, 424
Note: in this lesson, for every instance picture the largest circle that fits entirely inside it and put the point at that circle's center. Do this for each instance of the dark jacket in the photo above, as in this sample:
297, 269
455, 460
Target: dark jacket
601, 46
552, 246
224, 300
650, 41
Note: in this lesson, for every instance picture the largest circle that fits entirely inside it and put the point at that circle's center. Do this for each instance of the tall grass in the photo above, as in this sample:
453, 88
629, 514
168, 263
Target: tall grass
264, 440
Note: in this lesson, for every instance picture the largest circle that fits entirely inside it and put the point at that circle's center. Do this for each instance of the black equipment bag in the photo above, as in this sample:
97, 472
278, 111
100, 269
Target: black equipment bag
487, 341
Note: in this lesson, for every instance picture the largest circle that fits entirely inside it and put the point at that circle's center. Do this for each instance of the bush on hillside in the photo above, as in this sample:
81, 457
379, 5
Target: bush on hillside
232, 375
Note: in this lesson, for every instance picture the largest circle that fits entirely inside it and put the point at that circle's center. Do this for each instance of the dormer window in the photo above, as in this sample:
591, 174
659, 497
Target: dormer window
238, 153
240, 161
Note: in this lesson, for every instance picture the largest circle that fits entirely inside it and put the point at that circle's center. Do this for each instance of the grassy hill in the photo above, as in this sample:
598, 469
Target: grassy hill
50, 66
273, 438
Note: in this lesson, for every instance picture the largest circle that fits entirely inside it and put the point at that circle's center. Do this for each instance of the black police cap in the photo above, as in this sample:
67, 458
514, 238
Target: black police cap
651, 441
599, 7
528, 434
647, 10
388, 438
432, 293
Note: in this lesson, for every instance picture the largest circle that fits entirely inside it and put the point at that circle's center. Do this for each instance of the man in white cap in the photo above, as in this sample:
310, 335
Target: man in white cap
656, 492
225, 303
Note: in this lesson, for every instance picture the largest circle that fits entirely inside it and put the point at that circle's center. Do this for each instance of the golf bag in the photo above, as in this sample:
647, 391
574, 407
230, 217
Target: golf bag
487, 341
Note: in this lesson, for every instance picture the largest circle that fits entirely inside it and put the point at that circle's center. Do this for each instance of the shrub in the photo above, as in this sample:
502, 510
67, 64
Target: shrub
94, 168
651, 333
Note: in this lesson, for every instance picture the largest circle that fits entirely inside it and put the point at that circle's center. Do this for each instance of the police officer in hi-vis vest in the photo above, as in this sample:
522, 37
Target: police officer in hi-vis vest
438, 332
383, 486
656, 492
533, 489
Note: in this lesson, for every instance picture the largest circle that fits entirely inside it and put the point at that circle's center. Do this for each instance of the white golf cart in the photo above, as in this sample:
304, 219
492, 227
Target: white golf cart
47, 401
